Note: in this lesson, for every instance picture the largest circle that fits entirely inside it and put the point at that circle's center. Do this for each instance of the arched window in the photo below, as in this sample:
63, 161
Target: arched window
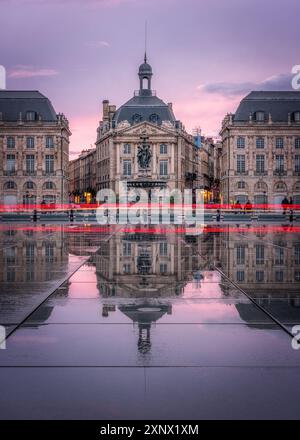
261, 186
145, 82
297, 186
154, 118
241, 185
49, 185
136, 118
29, 185
10, 185
280, 186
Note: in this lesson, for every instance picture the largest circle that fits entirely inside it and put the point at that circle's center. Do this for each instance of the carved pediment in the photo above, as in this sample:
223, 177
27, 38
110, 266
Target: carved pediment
145, 128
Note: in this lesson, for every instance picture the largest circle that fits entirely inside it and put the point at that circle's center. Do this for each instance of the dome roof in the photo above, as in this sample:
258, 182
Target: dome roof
145, 68
144, 108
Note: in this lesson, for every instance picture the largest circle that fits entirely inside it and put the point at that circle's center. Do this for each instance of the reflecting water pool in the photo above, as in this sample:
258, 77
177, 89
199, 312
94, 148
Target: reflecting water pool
129, 323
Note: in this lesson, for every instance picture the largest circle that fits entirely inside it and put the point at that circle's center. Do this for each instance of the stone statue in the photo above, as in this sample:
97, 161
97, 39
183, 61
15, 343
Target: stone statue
144, 155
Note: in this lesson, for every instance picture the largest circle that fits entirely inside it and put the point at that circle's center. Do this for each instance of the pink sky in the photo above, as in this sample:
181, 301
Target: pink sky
206, 54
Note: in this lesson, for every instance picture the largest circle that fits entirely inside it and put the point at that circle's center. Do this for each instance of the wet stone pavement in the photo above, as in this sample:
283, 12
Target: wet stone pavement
116, 324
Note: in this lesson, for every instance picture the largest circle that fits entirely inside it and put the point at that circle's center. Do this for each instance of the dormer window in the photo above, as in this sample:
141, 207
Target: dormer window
136, 118
297, 116
260, 116
153, 118
30, 116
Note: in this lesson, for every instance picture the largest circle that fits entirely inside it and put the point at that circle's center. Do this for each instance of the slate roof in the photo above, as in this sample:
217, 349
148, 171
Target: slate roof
14, 102
279, 104
145, 106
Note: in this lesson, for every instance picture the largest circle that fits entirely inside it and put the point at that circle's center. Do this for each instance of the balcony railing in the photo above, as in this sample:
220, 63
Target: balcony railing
241, 173
49, 173
280, 173
260, 173
191, 176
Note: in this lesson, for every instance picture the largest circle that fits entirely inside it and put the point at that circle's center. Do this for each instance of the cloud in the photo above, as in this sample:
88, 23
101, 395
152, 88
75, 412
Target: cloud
276, 82
98, 44
23, 71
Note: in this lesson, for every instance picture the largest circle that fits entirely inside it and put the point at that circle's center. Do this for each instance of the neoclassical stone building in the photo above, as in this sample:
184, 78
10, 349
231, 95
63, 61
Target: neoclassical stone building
82, 177
143, 144
260, 158
34, 150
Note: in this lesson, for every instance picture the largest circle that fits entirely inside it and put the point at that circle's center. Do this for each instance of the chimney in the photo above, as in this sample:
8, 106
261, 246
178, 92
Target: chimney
111, 111
170, 105
105, 104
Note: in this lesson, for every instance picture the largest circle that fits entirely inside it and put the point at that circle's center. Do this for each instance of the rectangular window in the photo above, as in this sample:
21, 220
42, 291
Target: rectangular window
279, 256
297, 163
240, 276
127, 249
163, 149
240, 143
127, 149
127, 167
279, 163
30, 116
11, 275
297, 253
260, 116
260, 142
127, 268
163, 249
30, 142
49, 142
11, 143
279, 142
241, 163
163, 268
279, 276
29, 163
259, 276
163, 167
29, 251
10, 255
297, 143
49, 251
259, 254
297, 275
260, 163
11, 164
240, 254
49, 163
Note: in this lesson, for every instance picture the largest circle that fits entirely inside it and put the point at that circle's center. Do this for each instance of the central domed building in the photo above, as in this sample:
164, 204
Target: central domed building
143, 145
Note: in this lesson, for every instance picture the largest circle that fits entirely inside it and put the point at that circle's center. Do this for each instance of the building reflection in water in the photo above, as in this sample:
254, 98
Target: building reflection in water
28, 256
148, 277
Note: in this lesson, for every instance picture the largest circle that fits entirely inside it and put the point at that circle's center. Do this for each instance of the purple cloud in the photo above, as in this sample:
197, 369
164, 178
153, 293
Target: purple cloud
22, 71
276, 82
